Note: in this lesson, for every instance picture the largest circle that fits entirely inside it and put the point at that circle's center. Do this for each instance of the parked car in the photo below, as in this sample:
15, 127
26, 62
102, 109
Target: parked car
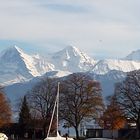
3, 136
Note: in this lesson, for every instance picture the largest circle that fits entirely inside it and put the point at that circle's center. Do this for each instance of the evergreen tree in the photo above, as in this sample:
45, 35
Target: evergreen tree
24, 116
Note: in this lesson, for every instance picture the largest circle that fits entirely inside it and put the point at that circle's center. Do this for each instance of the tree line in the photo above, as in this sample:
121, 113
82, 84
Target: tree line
80, 100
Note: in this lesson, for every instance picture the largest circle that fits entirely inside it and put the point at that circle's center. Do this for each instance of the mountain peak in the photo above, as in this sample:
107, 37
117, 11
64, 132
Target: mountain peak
134, 55
16, 48
19, 65
72, 59
70, 47
12, 50
72, 50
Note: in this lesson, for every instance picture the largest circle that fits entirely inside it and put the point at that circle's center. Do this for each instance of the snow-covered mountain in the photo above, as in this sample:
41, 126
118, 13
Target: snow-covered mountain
72, 59
17, 66
135, 56
104, 66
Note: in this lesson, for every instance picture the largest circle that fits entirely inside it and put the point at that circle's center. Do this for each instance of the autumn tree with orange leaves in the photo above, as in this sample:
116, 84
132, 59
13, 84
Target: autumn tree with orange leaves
80, 99
5, 111
113, 117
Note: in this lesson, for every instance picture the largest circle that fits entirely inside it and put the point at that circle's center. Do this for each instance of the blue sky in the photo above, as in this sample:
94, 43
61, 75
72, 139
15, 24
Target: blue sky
101, 28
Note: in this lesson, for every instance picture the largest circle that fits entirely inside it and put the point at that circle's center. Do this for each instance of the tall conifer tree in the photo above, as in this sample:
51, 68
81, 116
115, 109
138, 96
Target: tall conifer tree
24, 116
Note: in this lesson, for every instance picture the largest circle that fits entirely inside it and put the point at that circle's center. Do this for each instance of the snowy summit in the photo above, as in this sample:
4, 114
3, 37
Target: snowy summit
72, 59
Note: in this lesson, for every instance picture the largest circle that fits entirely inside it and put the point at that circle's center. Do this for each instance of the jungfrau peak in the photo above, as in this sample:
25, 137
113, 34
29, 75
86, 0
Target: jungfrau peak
104, 66
135, 56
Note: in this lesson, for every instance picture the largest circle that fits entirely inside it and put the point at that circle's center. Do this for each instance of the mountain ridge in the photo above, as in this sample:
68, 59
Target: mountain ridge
18, 90
18, 66
106, 65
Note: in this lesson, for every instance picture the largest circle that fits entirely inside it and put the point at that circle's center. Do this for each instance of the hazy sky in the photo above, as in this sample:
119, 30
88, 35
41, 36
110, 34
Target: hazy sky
101, 28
